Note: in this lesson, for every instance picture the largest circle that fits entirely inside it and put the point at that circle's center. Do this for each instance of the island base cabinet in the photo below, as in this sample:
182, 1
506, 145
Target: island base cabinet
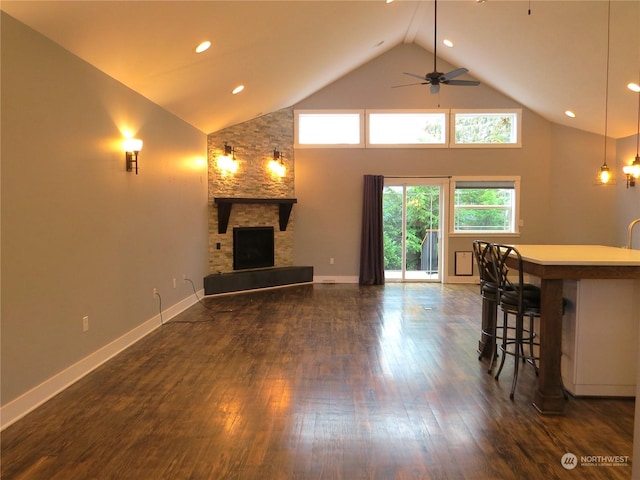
600, 337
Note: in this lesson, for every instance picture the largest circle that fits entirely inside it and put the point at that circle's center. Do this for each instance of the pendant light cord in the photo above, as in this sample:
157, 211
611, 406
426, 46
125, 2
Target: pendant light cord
606, 93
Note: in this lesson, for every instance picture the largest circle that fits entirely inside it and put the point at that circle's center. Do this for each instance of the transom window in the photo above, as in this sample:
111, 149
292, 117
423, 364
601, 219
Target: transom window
327, 128
485, 206
410, 128
495, 128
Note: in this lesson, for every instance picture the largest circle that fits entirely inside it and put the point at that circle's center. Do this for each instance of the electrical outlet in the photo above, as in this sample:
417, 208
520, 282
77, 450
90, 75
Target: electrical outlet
174, 283
85, 323
331, 261
155, 292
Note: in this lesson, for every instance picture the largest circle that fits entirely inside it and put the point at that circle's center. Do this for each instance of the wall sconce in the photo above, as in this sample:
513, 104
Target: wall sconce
132, 147
276, 165
633, 171
227, 162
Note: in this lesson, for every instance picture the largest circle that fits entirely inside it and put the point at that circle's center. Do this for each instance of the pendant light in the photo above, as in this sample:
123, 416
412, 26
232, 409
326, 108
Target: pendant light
604, 175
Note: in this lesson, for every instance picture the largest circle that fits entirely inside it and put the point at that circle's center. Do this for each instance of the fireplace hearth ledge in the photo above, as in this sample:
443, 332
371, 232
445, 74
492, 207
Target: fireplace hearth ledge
244, 280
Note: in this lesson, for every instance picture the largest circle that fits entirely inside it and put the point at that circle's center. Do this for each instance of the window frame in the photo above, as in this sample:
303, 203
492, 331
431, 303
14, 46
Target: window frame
493, 111
382, 111
486, 181
359, 112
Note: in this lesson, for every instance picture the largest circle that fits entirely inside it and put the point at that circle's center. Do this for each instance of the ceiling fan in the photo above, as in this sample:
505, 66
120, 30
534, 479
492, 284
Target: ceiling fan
435, 78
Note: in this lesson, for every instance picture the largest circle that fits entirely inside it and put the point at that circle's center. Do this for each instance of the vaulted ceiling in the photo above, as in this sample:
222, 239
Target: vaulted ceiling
550, 56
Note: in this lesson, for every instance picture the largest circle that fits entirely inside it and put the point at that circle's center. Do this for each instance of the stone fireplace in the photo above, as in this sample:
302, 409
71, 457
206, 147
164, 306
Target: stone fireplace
254, 142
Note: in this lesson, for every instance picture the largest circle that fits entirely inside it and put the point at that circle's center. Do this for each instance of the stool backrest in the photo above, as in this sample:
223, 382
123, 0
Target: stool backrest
500, 254
486, 269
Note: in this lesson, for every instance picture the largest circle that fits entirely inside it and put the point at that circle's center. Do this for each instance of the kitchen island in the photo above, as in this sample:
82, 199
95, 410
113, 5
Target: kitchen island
555, 266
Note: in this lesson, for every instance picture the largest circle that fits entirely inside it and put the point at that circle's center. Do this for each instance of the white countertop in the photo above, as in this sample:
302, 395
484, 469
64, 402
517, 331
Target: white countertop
579, 255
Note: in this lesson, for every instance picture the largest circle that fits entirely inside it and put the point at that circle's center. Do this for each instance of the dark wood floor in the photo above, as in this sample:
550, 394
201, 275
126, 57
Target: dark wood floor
313, 382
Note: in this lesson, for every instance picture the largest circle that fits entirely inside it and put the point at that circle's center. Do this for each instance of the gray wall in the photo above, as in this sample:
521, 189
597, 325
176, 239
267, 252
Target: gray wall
583, 211
80, 236
556, 165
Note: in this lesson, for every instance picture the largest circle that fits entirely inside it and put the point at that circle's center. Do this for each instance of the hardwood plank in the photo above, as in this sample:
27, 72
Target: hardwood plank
317, 382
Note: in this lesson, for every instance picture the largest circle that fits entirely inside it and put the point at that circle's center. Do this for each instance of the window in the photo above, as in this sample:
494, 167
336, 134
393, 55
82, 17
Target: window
496, 128
329, 128
485, 206
420, 128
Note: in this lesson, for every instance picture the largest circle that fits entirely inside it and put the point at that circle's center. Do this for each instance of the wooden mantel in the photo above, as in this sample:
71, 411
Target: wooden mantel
225, 203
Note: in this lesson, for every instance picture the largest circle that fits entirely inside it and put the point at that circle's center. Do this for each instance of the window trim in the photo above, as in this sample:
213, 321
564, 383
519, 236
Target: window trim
484, 180
452, 127
296, 126
444, 112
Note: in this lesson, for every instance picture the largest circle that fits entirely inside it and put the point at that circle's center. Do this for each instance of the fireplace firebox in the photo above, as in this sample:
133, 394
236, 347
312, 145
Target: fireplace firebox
253, 247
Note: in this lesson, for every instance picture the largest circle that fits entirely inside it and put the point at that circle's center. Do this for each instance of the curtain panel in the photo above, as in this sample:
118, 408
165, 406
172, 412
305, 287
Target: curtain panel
371, 243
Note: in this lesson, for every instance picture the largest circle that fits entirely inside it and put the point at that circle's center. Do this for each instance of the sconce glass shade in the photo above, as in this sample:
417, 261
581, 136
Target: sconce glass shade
132, 145
278, 168
633, 169
276, 165
227, 164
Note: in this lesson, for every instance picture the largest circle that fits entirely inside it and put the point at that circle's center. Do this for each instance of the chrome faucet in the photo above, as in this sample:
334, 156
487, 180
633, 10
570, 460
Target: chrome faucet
630, 237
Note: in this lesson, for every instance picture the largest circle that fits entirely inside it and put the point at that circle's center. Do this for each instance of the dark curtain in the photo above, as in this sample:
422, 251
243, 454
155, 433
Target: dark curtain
371, 245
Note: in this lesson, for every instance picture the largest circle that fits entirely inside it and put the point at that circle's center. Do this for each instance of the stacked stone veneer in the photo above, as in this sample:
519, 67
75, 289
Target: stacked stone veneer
254, 142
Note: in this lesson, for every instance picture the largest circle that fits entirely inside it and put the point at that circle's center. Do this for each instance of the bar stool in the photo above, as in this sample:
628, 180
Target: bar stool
519, 300
489, 289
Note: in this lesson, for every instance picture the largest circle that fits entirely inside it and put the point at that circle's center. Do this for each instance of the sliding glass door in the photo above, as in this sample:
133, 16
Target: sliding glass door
413, 216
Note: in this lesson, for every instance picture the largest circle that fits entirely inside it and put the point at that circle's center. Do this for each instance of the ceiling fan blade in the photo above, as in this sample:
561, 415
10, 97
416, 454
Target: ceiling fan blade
454, 73
468, 83
409, 85
421, 77
435, 88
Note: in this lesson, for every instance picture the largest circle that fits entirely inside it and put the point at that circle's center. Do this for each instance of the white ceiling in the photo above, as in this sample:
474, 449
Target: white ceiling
550, 60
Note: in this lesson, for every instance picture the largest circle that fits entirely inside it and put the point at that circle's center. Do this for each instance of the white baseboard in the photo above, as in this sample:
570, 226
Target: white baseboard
29, 401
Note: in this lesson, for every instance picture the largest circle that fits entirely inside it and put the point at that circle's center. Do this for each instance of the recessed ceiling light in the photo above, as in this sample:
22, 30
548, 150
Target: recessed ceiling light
447, 42
570, 114
388, 1
633, 87
238, 89
203, 46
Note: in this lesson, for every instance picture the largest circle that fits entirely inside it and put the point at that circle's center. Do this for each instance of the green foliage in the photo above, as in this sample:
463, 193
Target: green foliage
392, 221
483, 128
423, 214
432, 133
488, 209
